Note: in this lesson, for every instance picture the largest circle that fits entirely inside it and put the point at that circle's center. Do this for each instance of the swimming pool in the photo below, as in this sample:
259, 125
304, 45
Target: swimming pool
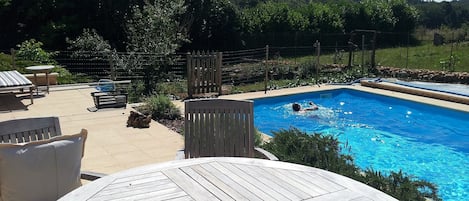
385, 133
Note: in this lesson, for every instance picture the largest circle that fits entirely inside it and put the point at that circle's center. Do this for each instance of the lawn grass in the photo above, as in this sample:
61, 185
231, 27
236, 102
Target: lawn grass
426, 56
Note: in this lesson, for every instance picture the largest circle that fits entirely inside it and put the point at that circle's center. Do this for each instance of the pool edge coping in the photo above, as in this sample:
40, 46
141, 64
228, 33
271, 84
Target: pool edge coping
398, 93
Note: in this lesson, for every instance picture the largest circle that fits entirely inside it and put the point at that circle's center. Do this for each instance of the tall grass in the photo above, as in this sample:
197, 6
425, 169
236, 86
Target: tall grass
426, 56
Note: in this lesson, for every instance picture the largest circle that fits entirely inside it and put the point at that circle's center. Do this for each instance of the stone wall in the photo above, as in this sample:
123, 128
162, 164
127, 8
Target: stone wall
424, 75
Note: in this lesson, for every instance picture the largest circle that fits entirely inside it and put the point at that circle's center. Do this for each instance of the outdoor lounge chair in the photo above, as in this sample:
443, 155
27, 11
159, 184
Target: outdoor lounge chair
220, 128
105, 85
110, 99
13, 80
108, 96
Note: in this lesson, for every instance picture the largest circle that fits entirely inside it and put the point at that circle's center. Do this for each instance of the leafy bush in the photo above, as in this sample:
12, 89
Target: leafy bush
258, 139
160, 107
177, 88
323, 151
136, 91
312, 150
31, 50
5, 62
30, 53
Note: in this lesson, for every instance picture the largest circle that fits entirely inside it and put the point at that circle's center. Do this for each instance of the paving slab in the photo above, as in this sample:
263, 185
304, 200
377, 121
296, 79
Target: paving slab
110, 146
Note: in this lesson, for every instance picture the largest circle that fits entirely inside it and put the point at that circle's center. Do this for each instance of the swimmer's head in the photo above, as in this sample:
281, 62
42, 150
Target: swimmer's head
296, 107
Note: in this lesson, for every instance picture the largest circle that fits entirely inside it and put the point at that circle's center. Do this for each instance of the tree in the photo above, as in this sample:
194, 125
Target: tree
323, 18
4, 3
380, 14
273, 17
90, 41
156, 28
51, 21
91, 45
31, 50
406, 16
215, 24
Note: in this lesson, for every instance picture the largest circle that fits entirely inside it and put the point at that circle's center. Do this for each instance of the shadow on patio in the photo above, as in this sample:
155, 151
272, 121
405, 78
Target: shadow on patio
110, 146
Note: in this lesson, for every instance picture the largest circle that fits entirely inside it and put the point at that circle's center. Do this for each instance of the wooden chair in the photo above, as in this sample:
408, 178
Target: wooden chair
109, 95
218, 127
34, 129
110, 99
31, 129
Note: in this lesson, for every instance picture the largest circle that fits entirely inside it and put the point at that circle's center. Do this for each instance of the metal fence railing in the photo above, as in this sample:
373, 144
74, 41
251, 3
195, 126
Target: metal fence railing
316, 63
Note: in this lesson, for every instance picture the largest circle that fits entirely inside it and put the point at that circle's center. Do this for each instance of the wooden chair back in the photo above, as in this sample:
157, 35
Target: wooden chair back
34, 129
217, 127
30, 129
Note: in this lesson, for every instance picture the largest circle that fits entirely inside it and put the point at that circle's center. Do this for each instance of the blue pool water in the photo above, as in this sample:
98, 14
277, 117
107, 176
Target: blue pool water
385, 133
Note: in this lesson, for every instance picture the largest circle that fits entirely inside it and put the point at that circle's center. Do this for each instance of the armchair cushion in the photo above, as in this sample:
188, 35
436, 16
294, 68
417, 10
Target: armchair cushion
41, 170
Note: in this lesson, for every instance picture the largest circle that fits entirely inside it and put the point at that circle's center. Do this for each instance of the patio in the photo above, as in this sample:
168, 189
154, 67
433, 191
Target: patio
112, 147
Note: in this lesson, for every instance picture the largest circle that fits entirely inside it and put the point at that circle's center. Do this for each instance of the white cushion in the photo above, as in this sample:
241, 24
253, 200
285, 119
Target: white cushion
41, 170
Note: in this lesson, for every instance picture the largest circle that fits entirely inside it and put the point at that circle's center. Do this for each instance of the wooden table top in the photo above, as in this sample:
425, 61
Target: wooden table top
225, 178
40, 68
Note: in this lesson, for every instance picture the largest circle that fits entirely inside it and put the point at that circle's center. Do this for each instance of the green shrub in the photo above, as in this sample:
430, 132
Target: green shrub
65, 77
136, 91
5, 62
30, 53
177, 88
258, 140
31, 50
312, 150
323, 151
160, 107
401, 186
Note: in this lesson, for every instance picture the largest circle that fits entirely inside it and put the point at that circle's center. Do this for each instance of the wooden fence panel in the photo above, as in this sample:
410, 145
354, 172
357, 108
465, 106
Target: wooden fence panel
204, 73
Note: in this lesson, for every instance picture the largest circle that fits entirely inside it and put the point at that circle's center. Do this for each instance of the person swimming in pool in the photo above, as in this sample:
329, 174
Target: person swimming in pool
297, 107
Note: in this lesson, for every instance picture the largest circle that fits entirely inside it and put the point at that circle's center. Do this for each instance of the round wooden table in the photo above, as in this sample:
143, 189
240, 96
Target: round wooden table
41, 69
225, 178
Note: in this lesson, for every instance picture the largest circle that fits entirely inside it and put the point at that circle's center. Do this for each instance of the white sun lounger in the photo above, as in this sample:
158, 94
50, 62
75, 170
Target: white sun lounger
13, 80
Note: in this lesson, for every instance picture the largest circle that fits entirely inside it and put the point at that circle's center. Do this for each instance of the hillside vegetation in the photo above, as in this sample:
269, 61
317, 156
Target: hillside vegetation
426, 56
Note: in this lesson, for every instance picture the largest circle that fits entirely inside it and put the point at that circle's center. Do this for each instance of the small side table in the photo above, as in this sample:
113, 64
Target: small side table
41, 69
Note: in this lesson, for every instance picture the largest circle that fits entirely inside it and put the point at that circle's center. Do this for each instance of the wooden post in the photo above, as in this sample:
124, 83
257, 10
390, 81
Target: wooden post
113, 70
363, 54
407, 51
317, 44
13, 58
218, 71
266, 68
189, 74
451, 59
350, 46
373, 51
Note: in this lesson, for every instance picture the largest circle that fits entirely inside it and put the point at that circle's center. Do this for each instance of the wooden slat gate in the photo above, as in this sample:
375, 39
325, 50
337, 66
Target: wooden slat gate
204, 73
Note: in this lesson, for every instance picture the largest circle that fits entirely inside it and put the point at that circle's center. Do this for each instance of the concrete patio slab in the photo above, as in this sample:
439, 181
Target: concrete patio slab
110, 146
